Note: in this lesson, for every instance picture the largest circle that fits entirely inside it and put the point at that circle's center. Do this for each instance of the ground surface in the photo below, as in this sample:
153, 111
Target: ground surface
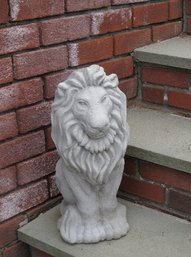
152, 233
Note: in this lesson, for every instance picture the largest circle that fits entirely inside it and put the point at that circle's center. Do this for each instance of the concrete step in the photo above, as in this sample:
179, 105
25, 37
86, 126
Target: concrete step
164, 72
175, 52
160, 137
151, 234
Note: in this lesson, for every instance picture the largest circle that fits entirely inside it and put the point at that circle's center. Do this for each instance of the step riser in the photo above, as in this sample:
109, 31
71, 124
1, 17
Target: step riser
187, 14
157, 186
169, 87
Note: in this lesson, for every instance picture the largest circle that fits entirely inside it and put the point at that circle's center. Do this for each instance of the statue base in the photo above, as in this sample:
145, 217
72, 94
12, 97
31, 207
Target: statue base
75, 228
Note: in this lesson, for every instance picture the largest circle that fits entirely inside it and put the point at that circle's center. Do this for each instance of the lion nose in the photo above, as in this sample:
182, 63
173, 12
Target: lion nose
100, 121
100, 126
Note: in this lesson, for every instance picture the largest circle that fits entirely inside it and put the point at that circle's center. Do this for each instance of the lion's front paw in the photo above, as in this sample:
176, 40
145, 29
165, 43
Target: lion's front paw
70, 225
74, 228
94, 233
115, 224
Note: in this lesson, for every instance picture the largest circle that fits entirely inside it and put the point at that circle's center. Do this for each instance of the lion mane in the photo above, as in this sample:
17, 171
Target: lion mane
95, 159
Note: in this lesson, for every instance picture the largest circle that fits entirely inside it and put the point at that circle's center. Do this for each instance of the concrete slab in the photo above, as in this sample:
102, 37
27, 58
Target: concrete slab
152, 234
160, 137
175, 52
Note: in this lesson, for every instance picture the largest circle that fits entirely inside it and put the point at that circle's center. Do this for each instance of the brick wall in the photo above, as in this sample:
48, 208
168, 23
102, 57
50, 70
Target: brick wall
187, 16
169, 87
160, 187
41, 42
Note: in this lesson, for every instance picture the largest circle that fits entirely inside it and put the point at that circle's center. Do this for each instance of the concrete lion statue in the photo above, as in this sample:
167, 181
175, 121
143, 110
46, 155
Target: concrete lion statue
90, 131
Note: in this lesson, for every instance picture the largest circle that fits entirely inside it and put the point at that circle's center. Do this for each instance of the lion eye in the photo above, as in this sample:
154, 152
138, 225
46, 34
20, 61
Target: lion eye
82, 103
104, 98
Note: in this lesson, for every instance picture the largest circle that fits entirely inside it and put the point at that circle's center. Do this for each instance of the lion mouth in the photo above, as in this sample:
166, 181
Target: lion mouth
97, 133
94, 142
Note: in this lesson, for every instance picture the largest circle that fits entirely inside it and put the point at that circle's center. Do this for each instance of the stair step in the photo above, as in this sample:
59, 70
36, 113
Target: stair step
175, 52
151, 234
160, 137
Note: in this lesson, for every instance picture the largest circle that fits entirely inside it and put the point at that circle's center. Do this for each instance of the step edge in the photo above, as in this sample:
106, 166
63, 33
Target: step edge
158, 158
162, 59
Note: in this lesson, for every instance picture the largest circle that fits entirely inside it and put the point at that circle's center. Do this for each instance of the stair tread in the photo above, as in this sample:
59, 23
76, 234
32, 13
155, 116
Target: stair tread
160, 137
152, 233
174, 52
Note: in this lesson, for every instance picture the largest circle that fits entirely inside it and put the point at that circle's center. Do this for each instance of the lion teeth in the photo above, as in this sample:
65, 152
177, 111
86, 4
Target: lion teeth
102, 146
96, 147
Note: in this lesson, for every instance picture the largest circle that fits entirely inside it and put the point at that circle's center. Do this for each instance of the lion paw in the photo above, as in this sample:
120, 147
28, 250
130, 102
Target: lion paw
75, 229
94, 233
70, 226
116, 225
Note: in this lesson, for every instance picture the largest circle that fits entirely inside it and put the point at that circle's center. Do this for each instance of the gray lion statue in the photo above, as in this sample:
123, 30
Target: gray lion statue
90, 131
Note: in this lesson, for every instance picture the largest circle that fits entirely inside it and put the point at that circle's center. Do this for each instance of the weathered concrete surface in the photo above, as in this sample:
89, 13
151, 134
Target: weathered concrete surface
160, 137
151, 234
175, 52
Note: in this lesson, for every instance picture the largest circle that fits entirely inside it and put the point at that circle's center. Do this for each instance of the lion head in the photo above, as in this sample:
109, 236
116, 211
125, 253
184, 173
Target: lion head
89, 121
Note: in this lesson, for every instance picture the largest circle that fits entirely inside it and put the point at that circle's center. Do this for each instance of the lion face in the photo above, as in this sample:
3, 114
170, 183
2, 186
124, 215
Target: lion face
89, 115
89, 124
92, 109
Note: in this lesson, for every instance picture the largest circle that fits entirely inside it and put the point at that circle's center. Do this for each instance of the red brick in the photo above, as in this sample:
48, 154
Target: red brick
123, 67
126, 42
63, 29
188, 7
166, 76
17, 250
130, 167
153, 95
129, 87
175, 9
52, 81
49, 141
165, 31
179, 99
40, 61
188, 25
75, 5
143, 189
37, 167
4, 17
33, 117
8, 180
21, 94
90, 51
150, 13
52, 186
109, 21
8, 230
6, 70
18, 38
117, 2
21, 148
38, 253
8, 126
23, 199
26, 10
180, 201
167, 176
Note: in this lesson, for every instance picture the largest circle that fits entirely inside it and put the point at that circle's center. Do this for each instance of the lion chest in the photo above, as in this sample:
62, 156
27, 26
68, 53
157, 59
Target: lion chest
96, 166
